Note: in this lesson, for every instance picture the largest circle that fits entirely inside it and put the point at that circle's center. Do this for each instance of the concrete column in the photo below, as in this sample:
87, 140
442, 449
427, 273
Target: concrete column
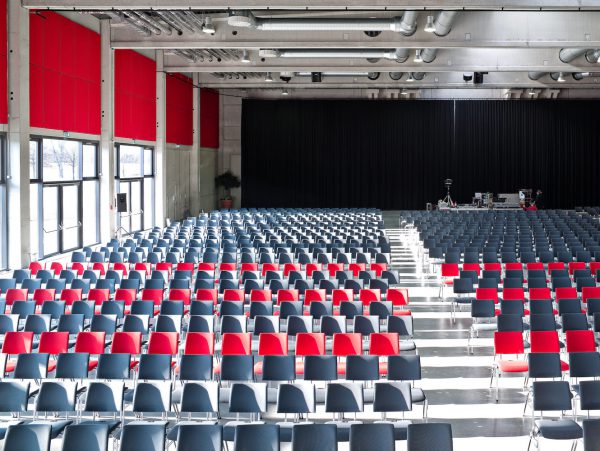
107, 155
195, 155
19, 249
160, 187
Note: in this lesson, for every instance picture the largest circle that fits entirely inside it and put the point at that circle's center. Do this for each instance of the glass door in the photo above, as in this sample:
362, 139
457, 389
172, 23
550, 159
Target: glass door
70, 218
132, 220
51, 222
62, 218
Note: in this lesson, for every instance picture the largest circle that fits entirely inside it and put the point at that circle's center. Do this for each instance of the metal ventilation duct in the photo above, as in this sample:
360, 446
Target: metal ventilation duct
406, 25
442, 26
391, 54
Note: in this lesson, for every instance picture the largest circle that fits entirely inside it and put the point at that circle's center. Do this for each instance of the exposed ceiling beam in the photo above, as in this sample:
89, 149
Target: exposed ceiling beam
566, 5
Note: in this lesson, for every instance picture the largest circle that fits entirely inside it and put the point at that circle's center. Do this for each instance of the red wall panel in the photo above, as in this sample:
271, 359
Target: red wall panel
180, 121
209, 119
135, 96
3, 63
64, 74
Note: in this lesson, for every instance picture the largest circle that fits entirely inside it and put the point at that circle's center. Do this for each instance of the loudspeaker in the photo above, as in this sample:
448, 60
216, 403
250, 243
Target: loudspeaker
122, 203
478, 77
316, 77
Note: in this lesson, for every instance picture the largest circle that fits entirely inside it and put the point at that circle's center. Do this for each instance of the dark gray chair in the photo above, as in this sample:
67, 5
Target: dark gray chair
308, 437
589, 395
94, 436
393, 397
295, 399
199, 437
591, 435
139, 435
30, 437
365, 437
253, 437
247, 398
341, 398
429, 436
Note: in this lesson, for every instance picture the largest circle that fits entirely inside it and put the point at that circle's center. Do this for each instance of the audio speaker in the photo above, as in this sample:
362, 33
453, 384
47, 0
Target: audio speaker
316, 77
122, 203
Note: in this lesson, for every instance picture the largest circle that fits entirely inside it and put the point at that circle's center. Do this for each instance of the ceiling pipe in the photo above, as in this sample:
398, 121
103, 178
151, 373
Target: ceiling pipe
391, 54
442, 26
171, 15
156, 23
189, 57
145, 31
581, 75
568, 55
536, 75
185, 19
334, 74
170, 22
406, 25
194, 19
593, 56
418, 75
133, 16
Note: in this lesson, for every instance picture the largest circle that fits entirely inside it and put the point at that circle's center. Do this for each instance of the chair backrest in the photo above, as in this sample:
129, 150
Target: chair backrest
246, 397
551, 396
378, 436
147, 436
429, 436
591, 434
152, 397
344, 397
95, 437
189, 436
249, 437
104, 396
508, 343
309, 436
32, 437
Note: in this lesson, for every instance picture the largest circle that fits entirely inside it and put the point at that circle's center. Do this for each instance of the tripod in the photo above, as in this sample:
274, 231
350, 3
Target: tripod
448, 198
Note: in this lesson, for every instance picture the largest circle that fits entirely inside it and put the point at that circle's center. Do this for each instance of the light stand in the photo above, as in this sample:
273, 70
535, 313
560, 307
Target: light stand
448, 198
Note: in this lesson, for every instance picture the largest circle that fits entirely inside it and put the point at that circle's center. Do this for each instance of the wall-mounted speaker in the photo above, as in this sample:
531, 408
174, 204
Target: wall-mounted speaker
122, 203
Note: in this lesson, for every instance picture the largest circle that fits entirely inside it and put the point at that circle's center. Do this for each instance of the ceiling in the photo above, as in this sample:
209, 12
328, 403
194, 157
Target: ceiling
394, 44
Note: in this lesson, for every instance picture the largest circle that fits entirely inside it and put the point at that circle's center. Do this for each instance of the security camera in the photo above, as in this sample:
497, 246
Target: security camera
467, 77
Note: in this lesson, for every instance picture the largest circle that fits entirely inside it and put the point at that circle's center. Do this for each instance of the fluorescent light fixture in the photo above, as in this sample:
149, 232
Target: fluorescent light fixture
429, 26
208, 26
404, 92
245, 57
284, 92
418, 58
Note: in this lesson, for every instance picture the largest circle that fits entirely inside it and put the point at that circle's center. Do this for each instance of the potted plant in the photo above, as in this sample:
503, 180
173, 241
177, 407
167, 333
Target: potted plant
227, 180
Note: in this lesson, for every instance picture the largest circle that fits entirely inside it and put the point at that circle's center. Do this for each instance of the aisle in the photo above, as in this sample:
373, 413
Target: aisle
456, 383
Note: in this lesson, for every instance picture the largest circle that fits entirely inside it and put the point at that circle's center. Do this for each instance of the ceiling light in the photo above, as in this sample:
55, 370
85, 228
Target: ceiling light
410, 78
418, 58
208, 26
245, 57
268, 77
429, 26
404, 92
560, 78
531, 92
284, 92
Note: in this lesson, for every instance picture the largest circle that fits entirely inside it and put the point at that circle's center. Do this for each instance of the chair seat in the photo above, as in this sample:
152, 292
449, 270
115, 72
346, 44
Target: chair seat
343, 429
463, 300
417, 395
229, 428
402, 313
407, 345
10, 366
400, 428
513, 366
172, 434
57, 426
484, 327
112, 425
559, 429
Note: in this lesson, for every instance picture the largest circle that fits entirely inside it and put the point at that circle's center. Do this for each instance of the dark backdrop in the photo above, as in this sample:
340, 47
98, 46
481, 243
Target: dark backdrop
396, 154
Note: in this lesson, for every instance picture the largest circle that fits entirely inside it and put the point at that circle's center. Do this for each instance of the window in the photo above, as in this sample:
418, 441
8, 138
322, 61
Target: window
135, 178
63, 174
3, 206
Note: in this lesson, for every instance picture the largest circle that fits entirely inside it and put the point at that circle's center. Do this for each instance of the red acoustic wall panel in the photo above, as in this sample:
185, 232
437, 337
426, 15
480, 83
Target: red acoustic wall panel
135, 96
64, 74
209, 119
3, 63
179, 110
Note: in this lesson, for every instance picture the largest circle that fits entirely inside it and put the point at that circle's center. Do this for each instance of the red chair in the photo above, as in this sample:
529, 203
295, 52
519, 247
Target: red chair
207, 266
53, 343
123, 267
379, 268
228, 267
207, 294
308, 344
126, 343
289, 267
508, 343
101, 267
547, 341
15, 294
98, 295
127, 295
44, 294
540, 293
449, 272
163, 343
269, 267
236, 344
566, 293
57, 267
534, 266
287, 295
383, 345
590, 292
576, 265
145, 267
333, 268
513, 294
271, 344
248, 267
234, 295
16, 343
202, 343
164, 266
472, 267
92, 343
356, 268
346, 344
486, 294
368, 295
340, 295
315, 295
261, 296
594, 267
399, 298
180, 294
513, 266
312, 267
155, 295
186, 267
492, 266
78, 267
70, 295
34, 267
555, 265
580, 341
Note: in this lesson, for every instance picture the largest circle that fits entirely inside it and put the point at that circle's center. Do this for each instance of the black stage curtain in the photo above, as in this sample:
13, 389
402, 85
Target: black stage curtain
396, 154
